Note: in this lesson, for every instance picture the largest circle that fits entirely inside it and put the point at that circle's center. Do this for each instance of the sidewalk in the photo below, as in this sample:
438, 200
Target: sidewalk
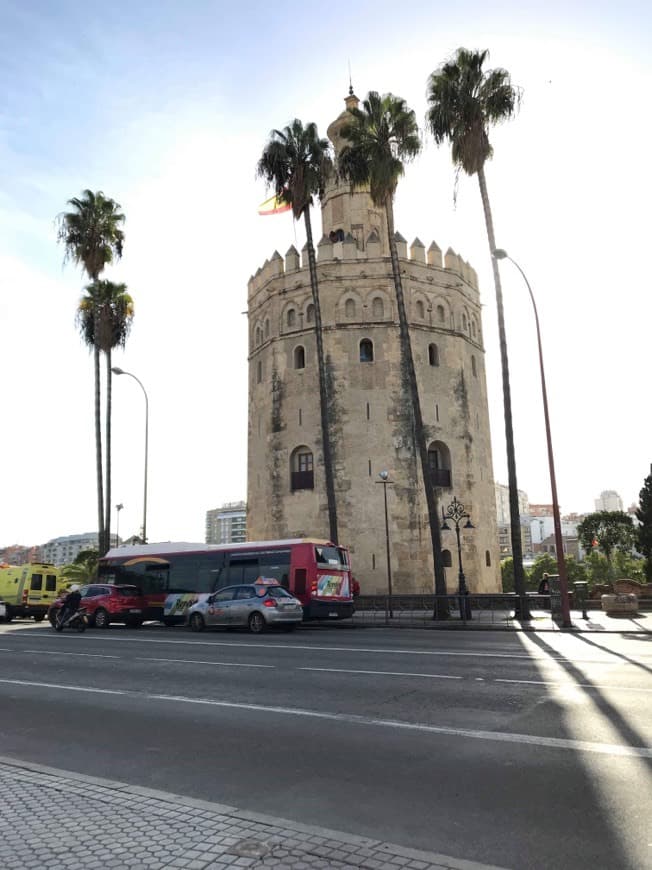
501, 620
55, 819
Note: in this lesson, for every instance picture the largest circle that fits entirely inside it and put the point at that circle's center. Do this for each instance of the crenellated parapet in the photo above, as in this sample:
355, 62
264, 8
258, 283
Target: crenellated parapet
347, 250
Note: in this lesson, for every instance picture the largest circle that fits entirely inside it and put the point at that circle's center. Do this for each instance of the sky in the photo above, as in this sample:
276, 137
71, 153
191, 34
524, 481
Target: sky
166, 106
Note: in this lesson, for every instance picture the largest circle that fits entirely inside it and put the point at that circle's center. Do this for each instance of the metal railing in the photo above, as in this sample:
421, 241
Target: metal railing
423, 610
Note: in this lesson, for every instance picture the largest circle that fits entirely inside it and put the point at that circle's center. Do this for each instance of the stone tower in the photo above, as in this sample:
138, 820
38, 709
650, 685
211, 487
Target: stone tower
369, 412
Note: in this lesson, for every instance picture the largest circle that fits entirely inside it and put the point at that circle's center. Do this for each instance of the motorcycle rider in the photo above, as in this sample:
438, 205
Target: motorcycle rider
70, 603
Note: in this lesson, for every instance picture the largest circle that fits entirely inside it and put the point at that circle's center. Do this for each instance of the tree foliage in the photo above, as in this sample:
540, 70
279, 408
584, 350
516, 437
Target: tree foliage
644, 531
609, 531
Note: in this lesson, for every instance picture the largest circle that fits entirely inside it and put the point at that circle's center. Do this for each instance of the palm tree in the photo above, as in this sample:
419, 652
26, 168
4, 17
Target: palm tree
381, 136
91, 233
104, 315
465, 101
296, 163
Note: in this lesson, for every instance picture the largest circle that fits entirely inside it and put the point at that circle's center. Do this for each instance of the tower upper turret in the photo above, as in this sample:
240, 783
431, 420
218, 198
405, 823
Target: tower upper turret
345, 211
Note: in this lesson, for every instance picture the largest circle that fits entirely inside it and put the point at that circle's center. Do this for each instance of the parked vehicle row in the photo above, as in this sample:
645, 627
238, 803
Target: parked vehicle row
257, 606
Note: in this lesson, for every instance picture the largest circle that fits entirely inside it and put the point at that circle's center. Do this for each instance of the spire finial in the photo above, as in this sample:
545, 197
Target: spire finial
350, 81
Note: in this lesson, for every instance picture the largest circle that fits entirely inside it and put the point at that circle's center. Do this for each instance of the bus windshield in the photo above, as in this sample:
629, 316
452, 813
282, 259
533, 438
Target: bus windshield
331, 556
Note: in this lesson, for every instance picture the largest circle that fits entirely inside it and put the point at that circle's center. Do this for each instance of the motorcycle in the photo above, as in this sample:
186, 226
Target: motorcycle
77, 620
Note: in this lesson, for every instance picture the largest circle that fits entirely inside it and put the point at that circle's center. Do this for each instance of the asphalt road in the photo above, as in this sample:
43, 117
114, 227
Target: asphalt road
521, 750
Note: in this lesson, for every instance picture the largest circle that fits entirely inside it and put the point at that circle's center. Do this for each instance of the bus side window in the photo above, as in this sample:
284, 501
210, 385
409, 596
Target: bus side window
299, 581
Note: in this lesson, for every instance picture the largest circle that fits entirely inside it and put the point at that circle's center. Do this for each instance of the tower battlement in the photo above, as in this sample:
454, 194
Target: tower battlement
346, 250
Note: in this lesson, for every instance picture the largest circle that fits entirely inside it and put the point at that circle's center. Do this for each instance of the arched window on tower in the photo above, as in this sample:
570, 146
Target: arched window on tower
259, 336
446, 558
474, 367
301, 469
349, 309
299, 357
292, 318
439, 459
433, 354
420, 310
441, 314
366, 350
464, 325
377, 308
267, 328
310, 313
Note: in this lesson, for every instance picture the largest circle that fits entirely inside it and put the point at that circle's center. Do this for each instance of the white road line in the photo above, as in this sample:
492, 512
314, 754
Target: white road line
573, 685
67, 688
352, 649
198, 662
381, 673
612, 749
57, 652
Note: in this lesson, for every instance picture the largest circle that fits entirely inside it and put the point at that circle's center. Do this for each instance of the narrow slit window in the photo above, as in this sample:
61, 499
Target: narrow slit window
366, 350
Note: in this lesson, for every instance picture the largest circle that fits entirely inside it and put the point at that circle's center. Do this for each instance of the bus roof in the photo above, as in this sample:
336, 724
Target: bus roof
170, 547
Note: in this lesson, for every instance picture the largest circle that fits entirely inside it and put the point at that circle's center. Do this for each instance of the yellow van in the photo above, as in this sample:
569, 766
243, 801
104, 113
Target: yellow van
29, 590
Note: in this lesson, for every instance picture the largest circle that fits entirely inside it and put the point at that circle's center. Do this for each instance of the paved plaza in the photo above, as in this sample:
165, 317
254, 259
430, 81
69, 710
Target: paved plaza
57, 819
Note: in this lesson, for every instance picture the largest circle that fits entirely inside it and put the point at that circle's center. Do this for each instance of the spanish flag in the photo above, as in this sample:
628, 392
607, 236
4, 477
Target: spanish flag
273, 205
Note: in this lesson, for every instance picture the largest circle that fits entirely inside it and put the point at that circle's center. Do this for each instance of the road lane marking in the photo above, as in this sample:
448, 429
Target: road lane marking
615, 749
198, 662
381, 673
611, 749
572, 684
59, 653
557, 657
92, 690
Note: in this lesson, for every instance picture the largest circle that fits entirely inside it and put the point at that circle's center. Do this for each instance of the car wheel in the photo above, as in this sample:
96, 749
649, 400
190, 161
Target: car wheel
197, 622
101, 618
8, 615
257, 622
53, 619
39, 617
81, 625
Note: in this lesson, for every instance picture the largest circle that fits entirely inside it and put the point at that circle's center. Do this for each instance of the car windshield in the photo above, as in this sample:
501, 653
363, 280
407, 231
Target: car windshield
128, 591
278, 592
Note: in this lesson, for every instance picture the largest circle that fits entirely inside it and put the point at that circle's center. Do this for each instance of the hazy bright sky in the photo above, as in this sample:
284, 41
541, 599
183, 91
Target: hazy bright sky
165, 106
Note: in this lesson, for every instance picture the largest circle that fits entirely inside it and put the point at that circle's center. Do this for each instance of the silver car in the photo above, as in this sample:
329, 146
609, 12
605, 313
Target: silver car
256, 605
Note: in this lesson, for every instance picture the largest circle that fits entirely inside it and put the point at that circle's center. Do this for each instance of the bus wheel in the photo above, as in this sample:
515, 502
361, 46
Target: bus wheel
257, 622
197, 622
101, 618
39, 617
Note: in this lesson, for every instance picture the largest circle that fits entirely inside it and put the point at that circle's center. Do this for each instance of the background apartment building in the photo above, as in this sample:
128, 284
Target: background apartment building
227, 524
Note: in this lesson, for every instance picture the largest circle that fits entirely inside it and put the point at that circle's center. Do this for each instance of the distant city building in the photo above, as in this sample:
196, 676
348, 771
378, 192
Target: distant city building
543, 527
18, 555
570, 543
63, 550
540, 510
227, 524
505, 539
502, 504
609, 501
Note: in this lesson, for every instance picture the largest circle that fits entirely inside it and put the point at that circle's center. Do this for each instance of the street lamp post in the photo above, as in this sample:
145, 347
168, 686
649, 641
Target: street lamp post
457, 512
500, 254
385, 481
118, 371
118, 508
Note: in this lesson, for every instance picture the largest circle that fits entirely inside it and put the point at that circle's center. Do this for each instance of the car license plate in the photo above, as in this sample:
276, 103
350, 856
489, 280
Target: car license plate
134, 610
333, 613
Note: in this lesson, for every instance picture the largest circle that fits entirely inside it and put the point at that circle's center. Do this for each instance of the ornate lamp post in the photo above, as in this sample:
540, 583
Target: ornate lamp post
385, 481
456, 512
500, 254
118, 371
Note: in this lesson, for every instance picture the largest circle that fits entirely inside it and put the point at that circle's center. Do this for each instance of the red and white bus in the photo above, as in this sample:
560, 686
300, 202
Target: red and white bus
172, 575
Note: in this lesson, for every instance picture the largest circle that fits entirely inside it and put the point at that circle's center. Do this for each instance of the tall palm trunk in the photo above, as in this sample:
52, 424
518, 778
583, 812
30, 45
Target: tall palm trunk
98, 451
323, 389
107, 449
514, 515
441, 606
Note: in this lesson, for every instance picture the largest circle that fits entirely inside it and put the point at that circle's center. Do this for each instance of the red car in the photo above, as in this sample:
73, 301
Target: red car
105, 604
